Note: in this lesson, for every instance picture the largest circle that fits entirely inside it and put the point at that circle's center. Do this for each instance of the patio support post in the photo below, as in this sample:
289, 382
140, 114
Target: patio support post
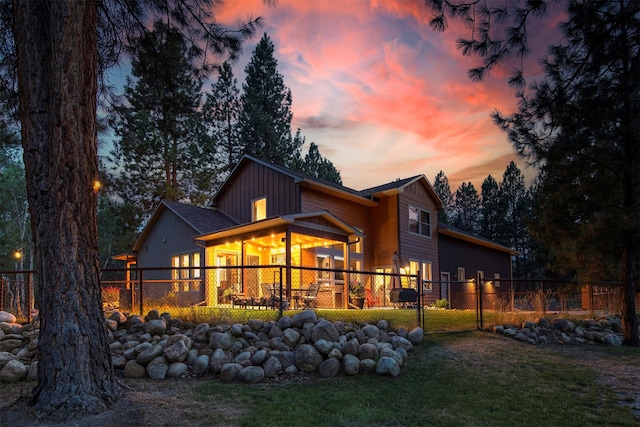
287, 256
347, 281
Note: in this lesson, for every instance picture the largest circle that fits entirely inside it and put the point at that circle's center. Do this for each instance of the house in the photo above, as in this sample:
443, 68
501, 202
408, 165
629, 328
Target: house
266, 216
466, 259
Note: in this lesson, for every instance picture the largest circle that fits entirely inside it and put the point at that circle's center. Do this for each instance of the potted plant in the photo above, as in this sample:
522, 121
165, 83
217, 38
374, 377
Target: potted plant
356, 294
228, 294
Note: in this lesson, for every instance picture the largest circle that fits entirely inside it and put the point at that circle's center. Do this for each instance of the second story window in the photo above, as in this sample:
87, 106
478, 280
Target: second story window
419, 221
259, 209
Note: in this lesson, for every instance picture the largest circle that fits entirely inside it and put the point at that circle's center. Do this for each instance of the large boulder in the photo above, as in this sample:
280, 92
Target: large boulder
324, 330
251, 375
308, 358
329, 368
13, 371
388, 366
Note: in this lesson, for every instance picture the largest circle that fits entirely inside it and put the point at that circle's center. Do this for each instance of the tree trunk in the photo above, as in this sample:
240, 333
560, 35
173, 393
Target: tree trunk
56, 48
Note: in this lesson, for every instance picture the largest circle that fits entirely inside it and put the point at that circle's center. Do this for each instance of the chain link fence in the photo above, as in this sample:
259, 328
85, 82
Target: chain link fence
238, 293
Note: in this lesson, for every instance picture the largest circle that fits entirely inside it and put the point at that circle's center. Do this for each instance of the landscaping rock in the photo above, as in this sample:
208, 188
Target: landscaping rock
158, 346
13, 371
350, 364
7, 317
329, 368
388, 366
307, 358
251, 375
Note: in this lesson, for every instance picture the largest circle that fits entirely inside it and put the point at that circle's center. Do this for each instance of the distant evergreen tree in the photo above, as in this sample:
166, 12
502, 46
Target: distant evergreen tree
316, 165
162, 151
492, 212
15, 225
515, 201
442, 189
265, 118
222, 111
466, 208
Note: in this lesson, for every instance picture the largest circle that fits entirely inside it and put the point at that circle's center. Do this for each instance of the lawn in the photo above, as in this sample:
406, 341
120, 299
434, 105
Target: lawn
467, 379
451, 380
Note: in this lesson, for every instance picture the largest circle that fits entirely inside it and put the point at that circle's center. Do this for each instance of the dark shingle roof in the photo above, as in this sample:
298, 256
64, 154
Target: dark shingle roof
203, 220
388, 186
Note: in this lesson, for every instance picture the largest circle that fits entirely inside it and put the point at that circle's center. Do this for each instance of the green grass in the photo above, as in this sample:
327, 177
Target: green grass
451, 380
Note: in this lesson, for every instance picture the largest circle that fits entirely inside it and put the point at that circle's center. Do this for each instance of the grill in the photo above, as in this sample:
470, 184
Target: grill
403, 295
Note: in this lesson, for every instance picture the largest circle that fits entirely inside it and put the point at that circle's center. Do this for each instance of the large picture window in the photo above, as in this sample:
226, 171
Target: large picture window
419, 221
181, 273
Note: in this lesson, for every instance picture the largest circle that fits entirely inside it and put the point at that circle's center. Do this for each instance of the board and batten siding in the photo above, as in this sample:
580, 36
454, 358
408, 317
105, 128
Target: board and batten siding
455, 253
352, 213
170, 236
414, 246
252, 182
382, 239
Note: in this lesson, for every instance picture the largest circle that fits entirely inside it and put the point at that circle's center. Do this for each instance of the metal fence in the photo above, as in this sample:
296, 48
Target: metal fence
221, 291
270, 291
16, 293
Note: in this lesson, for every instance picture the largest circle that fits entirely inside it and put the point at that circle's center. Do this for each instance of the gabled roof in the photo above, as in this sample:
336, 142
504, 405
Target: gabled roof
449, 230
366, 197
320, 184
399, 186
202, 220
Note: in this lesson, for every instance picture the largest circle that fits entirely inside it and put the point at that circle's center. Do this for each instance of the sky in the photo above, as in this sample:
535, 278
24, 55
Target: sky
382, 95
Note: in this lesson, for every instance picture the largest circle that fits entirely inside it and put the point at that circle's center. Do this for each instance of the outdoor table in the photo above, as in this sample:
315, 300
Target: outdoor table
296, 294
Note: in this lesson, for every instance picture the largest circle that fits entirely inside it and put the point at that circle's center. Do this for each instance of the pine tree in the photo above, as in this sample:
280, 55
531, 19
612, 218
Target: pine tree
579, 124
318, 166
442, 189
492, 210
513, 199
222, 111
265, 118
161, 152
466, 208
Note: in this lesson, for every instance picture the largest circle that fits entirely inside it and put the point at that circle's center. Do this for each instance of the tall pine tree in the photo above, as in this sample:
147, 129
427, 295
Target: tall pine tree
222, 112
466, 208
442, 189
492, 210
161, 152
514, 199
265, 118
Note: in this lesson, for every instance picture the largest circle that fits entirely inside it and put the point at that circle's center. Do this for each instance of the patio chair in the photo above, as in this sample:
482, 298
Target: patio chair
370, 300
312, 296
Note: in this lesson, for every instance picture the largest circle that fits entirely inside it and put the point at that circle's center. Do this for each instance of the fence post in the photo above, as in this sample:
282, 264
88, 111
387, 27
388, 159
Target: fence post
480, 320
281, 302
29, 297
141, 294
420, 296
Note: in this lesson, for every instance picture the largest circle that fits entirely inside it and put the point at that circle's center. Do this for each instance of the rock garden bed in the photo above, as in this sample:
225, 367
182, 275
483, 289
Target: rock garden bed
158, 346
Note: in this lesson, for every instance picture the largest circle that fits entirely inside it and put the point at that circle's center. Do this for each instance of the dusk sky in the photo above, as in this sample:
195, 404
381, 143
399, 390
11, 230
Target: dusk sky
383, 95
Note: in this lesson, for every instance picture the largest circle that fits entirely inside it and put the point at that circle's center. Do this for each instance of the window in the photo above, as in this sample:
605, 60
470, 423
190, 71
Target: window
419, 221
259, 209
426, 276
181, 272
496, 280
461, 274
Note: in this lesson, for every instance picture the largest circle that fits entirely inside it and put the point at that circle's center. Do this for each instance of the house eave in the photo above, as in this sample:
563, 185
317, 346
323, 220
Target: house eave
297, 219
476, 240
336, 192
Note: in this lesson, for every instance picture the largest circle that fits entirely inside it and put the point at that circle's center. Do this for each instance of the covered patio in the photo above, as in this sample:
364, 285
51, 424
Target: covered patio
319, 241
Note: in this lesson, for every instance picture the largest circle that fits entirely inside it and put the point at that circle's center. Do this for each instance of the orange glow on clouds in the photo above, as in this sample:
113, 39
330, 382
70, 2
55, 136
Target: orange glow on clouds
382, 95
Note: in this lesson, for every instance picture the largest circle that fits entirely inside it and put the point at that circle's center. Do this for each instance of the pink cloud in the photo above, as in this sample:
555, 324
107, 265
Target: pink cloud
381, 93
